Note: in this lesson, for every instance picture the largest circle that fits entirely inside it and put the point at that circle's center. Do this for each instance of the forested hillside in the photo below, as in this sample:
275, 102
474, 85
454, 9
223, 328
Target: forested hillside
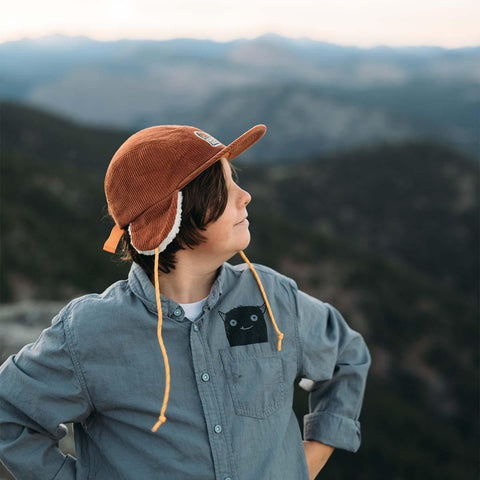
388, 234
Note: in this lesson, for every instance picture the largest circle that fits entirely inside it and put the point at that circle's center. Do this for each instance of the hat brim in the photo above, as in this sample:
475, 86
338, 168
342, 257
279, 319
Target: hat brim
231, 151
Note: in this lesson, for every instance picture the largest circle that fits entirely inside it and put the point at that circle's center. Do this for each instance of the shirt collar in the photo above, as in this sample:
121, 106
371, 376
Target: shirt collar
143, 288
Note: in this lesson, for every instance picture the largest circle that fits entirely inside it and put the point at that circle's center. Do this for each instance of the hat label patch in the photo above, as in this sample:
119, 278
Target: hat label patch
208, 138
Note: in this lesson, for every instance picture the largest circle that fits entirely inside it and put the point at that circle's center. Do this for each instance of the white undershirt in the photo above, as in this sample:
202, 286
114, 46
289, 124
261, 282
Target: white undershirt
193, 310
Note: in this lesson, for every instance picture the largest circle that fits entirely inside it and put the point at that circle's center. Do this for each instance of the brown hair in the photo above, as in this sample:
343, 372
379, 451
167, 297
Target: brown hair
204, 201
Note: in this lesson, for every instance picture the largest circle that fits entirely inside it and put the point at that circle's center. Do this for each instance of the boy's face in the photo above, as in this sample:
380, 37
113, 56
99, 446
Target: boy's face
229, 234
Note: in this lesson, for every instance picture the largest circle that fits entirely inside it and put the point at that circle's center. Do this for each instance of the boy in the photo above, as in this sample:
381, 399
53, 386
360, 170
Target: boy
186, 370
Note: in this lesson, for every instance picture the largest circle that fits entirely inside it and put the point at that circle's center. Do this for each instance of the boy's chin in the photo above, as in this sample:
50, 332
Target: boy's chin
246, 242
240, 246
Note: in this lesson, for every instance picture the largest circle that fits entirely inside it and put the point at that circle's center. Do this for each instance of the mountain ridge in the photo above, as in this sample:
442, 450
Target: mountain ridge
370, 94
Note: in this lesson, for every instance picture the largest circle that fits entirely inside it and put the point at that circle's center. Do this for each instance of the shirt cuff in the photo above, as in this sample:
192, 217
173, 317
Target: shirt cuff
331, 429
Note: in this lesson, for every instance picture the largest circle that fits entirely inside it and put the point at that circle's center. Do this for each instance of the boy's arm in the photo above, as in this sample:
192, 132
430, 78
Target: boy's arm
337, 360
39, 391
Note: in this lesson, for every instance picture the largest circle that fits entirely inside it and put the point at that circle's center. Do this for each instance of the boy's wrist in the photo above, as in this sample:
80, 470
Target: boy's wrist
316, 454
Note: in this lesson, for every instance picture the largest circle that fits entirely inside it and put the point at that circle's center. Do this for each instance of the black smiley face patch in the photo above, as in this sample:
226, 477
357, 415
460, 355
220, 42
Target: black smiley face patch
245, 325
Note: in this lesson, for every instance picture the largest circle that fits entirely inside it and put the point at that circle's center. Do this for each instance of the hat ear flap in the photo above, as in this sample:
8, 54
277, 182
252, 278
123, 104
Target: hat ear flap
176, 226
141, 233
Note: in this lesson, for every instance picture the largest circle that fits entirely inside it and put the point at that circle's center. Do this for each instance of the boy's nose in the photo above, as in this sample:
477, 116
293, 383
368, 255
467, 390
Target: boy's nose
247, 197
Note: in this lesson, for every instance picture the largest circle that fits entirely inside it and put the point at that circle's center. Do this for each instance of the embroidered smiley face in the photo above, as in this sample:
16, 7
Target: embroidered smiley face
245, 325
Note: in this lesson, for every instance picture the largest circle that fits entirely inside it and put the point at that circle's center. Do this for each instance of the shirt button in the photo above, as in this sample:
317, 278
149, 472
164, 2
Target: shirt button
205, 377
177, 312
217, 428
195, 328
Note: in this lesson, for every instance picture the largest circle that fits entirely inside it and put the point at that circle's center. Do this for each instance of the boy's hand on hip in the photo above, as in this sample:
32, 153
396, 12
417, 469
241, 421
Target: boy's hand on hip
317, 454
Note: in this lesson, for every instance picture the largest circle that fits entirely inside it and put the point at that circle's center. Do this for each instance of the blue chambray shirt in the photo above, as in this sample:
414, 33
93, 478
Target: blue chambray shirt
229, 414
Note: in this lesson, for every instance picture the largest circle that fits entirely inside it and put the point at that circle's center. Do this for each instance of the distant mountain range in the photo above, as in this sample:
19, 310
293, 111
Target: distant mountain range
388, 234
315, 97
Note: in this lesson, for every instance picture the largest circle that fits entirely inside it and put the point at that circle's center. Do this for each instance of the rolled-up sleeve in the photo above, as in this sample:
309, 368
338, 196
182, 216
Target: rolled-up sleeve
40, 390
336, 359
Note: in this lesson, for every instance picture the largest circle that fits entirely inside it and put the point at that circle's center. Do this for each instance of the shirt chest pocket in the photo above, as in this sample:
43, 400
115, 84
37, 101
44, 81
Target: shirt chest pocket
256, 381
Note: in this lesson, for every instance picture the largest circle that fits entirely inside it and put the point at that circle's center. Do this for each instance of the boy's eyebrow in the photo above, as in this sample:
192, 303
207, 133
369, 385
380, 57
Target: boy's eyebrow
234, 172
233, 177
228, 178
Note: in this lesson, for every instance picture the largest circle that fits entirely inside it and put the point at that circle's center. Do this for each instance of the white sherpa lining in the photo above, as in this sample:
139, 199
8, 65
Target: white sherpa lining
173, 232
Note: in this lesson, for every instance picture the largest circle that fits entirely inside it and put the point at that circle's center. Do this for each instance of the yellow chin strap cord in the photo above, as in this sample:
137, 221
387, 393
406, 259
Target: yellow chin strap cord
162, 418
279, 333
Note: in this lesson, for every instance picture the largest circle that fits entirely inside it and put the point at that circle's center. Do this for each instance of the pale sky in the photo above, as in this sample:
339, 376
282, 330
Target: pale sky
364, 23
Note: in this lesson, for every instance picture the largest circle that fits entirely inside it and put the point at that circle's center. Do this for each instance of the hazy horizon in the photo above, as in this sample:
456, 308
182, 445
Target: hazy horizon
442, 23
55, 35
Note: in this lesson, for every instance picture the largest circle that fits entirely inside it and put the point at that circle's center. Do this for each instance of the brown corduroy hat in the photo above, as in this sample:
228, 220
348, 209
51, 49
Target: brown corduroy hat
147, 173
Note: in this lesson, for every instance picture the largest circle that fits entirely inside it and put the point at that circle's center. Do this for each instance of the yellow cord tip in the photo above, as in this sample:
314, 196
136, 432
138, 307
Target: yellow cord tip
279, 344
161, 419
